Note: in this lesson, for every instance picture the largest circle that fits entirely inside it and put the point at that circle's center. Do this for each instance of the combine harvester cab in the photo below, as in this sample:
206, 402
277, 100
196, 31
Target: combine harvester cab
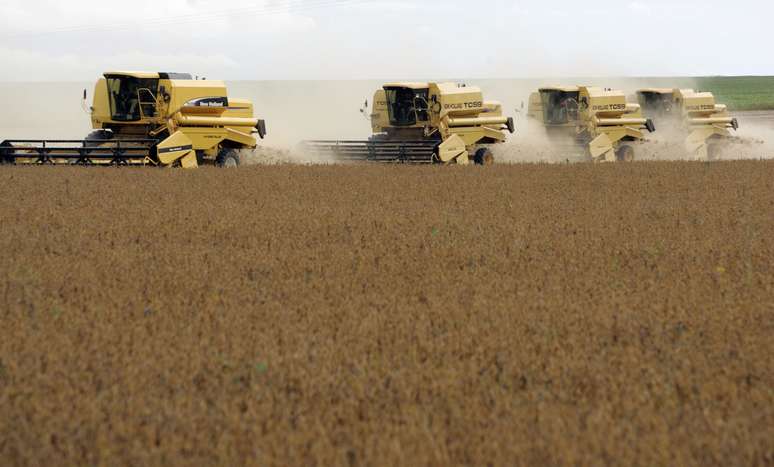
425, 123
165, 119
597, 123
708, 125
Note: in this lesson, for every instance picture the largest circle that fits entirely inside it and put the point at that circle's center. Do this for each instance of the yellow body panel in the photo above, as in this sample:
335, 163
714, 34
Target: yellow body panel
452, 148
380, 119
175, 147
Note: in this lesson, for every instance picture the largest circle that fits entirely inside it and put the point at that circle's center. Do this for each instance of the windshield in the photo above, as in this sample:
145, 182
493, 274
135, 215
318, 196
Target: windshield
656, 102
131, 99
559, 106
406, 106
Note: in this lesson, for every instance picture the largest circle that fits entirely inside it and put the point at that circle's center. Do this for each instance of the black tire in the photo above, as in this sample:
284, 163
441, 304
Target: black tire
95, 138
625, 153
483, 157
713, 152
227, 158
6, 156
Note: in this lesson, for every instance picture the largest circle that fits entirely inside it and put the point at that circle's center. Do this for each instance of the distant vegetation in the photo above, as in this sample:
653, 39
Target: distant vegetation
742, 93
738, 92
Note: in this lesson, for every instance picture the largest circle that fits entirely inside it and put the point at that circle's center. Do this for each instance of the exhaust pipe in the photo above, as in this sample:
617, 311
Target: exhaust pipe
715, 121
620, 121
479, 121
188, 120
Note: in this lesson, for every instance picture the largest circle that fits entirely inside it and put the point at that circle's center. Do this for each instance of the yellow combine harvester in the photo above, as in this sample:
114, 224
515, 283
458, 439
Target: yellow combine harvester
140, 118
708, 125
426, 123
597, 122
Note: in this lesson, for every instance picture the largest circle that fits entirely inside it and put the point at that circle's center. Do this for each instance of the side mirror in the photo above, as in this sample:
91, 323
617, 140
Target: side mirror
164, 94
85, 94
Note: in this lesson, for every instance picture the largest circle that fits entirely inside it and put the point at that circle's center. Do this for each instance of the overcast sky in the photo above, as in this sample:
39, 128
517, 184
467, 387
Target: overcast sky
55, 40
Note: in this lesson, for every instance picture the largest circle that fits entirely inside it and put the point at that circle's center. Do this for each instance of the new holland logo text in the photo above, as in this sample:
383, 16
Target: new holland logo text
208, 102
602, 108
700, 107
175, 149
464, 105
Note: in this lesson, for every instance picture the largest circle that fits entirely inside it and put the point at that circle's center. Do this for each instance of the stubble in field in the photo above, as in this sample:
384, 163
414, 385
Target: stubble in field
370, 315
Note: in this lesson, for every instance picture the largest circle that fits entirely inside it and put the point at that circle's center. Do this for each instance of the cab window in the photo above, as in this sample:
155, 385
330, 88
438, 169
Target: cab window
131, 99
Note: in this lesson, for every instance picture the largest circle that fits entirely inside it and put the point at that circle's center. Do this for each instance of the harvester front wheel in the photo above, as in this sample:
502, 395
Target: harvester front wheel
227, 158
625, 153
6, 149
713, 151
483, 157
95, 138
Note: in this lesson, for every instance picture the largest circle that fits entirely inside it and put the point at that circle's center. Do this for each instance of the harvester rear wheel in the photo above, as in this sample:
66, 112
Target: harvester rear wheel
483, 157
625, 153
713, 151
227, 158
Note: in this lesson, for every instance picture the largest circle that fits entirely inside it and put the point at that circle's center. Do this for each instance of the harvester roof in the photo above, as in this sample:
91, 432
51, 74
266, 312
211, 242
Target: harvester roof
449, 89
560, 88
409, 85
150, 74
657, 90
